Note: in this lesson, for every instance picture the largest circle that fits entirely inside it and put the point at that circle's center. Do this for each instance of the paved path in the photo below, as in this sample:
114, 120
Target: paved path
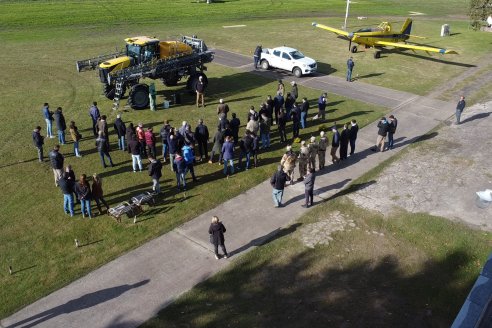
133, 288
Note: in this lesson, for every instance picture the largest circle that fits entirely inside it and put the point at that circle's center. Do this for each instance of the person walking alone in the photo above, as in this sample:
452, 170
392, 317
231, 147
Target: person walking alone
216, 231
350, 68
459, 109
76, 136
38, 141
155, 172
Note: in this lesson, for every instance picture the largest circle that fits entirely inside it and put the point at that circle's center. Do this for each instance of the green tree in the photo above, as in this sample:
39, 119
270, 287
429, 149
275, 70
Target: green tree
479, 11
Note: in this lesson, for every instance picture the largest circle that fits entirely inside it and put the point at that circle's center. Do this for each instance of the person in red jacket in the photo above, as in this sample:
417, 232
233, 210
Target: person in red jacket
141, 139
150, 142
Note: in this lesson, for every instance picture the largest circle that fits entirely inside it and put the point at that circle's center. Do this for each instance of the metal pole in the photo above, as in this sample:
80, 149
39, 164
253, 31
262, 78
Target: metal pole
346, 15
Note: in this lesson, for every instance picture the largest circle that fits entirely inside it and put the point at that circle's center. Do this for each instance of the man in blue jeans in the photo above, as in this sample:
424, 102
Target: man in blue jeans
278, 181
350, 67
257, 55
304, 112
48, 117
459, 109
67, 188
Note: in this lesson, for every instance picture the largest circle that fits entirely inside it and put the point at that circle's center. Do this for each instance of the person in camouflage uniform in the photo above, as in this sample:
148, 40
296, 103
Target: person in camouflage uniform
303, 160
322, 144
313, 152
288, 163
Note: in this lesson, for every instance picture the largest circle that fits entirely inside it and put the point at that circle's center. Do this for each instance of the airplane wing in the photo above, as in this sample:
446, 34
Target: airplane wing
331, 29
414, 47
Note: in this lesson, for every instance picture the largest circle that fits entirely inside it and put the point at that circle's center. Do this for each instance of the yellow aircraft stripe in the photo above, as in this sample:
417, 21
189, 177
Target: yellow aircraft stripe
331, 29
415, 47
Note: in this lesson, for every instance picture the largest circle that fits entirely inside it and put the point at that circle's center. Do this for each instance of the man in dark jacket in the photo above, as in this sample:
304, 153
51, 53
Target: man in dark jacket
354, 129
48, 117
278, 181
309, 187
289, 104
67, 188
120, 128
304, 112
234, 124
393, 124
383, 128
201, 137
173, 143
296, 120
335, 143
103, 149
257, 55
155, 172
95, 115
246, 146
222, 108
56, 160
322, 102
164, 133
282, 122
38, 141
459, 109
61, 125
278, 102
134, 148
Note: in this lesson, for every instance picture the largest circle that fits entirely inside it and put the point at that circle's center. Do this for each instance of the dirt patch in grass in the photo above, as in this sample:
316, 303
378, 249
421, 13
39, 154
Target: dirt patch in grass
441, 175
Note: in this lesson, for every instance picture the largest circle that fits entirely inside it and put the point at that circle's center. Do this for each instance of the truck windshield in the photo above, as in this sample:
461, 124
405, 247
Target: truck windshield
297, 54
133, 51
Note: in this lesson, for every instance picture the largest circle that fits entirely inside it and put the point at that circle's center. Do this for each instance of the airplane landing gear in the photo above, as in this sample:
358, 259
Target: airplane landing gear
377, 54
353, 49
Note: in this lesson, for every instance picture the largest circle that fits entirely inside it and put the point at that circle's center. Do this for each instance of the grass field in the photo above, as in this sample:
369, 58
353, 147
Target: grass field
397, 270
42, 40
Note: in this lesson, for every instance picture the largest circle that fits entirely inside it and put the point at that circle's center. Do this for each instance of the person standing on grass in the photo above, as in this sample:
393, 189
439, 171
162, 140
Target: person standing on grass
84, 194
172, 142
120, 128
164, 133
296, 120
150, 142
200, 92
344, 142
309, 188
278, 103
97, 193
350, 67
56, 160
269, 106
134, 150
459, 109
103, 149
48, 117
322, 145
289, 104
95, 115
217, 230
294, 91
38, 141
257, 55
282, 122
76, 136
235, 123
303, 160
265, 131
278, 181
246, 146
189, 158
217, 148
228, 156
255, 149
354, 129
322, 102
140, 132
304, 112
281, 87
67, 187
180, 169
383, 128
202, 136
393, 124
222, 108
61, 125
155, 172
335, 143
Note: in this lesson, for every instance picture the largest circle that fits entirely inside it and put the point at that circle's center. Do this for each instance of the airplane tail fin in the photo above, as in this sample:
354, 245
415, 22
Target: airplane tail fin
407, 27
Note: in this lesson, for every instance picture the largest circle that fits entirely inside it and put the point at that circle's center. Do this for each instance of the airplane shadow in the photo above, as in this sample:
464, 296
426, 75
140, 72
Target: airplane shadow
436, 60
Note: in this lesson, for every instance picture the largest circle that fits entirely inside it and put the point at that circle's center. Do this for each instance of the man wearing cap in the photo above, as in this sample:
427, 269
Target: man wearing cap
222, 109
313, 152
335, 143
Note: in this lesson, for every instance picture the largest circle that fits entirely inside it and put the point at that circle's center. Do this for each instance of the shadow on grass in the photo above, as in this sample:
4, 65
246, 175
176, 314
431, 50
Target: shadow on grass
83, 302
432, 59
92, 242
25, 269
306, 291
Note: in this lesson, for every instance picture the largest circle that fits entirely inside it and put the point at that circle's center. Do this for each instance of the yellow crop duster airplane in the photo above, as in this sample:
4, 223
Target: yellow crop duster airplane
381, 37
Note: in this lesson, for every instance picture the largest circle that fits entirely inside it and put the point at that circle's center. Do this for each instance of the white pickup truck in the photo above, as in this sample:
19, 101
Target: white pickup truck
288, 59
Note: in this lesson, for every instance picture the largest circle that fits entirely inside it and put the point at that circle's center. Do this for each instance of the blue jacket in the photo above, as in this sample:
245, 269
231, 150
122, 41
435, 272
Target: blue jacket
228, 151
47, 114
335, 141
94, 113
188, 155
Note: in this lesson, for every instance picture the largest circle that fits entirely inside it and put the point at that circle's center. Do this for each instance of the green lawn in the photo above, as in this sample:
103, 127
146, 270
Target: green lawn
41, 41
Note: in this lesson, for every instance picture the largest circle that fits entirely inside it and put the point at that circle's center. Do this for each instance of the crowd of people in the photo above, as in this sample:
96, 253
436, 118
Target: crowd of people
184, 146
